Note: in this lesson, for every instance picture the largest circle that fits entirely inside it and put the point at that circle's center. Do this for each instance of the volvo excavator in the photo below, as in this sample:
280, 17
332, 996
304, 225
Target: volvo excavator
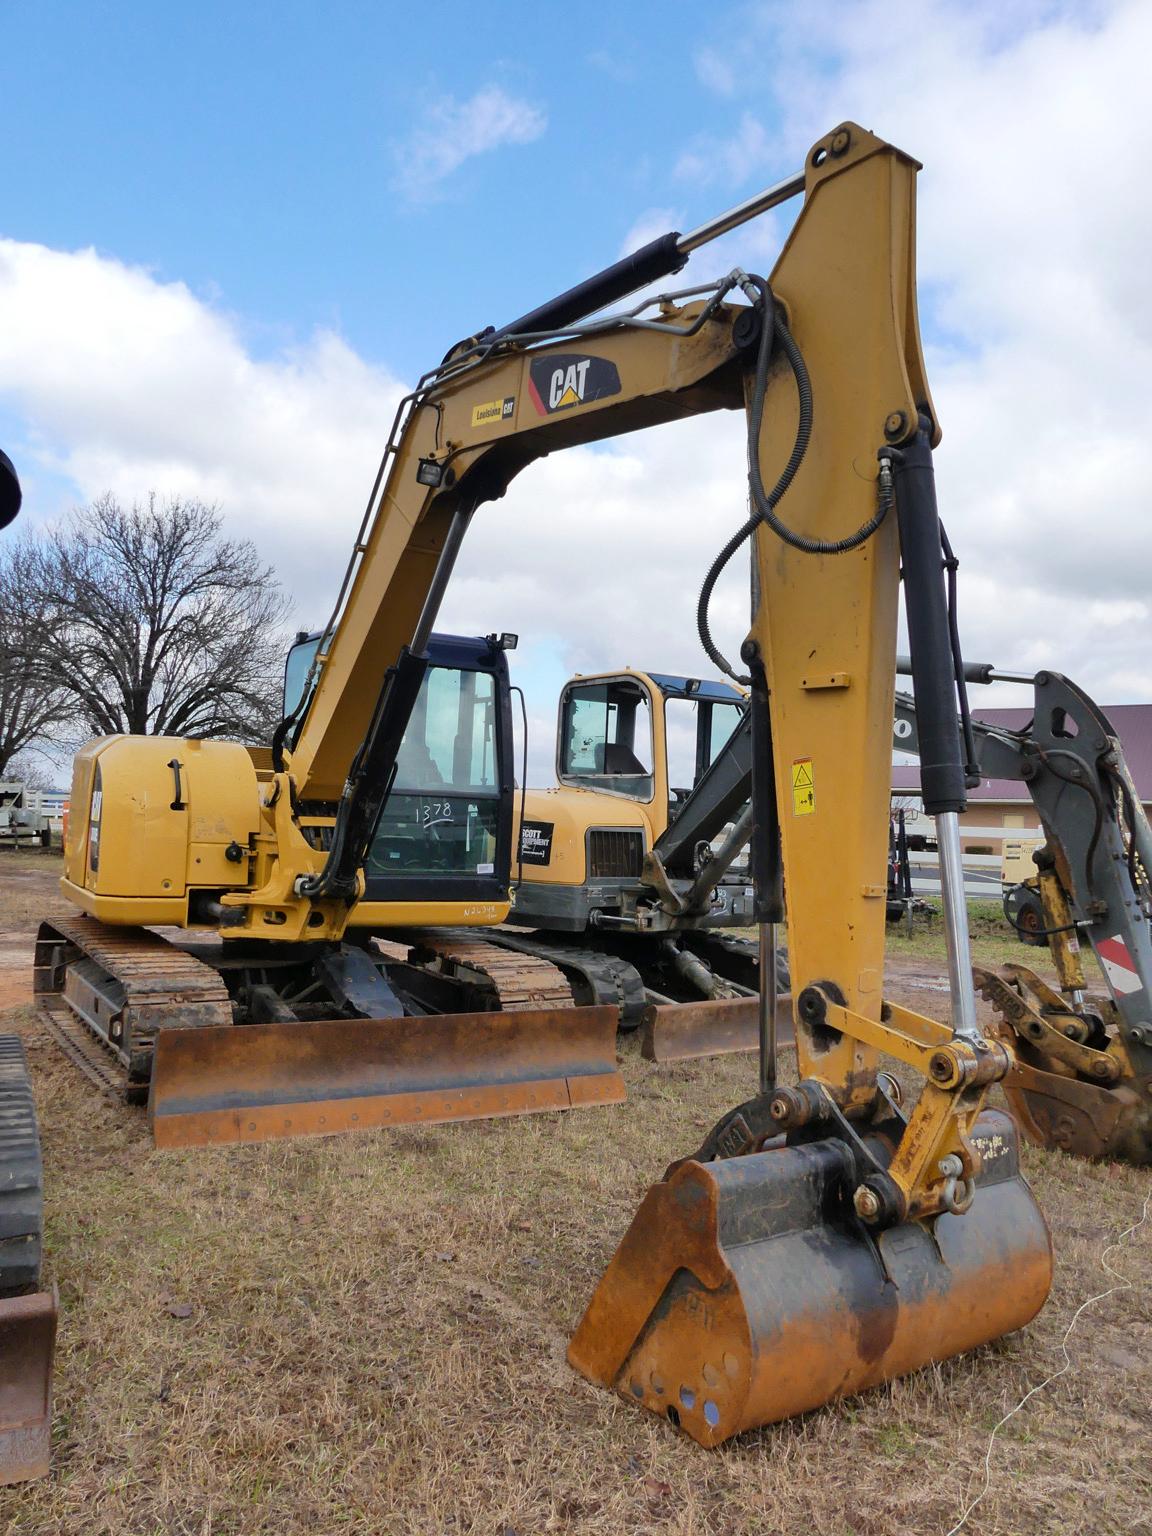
824, 1238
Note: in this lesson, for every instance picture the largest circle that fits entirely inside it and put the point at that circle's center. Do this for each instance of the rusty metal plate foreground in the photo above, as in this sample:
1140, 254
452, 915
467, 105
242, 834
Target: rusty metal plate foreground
681, 1031
734, 1300
27, 1343
260, 1082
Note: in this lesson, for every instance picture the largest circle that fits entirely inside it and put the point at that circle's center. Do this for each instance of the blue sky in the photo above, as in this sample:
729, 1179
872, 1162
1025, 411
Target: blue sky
230, 235
257, 152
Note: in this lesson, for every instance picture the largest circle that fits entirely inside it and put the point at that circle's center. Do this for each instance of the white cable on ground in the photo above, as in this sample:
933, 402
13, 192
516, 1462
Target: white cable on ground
1123, 1284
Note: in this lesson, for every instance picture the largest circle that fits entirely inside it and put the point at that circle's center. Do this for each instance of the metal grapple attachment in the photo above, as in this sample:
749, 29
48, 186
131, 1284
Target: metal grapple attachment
1072, 1085
747, 1290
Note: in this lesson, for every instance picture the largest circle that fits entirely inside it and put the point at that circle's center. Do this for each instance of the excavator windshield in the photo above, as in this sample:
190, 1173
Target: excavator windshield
606, 738
442, 814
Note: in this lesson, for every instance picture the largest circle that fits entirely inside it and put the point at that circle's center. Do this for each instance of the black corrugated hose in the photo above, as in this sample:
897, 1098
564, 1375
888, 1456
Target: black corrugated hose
764, 504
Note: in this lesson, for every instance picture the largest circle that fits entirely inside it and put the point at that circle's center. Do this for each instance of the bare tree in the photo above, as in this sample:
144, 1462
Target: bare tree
164, 627
27, 771
32, 702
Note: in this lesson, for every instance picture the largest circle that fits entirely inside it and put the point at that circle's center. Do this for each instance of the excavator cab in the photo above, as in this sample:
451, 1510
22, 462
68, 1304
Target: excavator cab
445, 830
633, 754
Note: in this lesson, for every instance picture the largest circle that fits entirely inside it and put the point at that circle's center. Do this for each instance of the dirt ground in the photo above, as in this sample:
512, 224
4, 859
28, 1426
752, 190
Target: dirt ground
366, 1335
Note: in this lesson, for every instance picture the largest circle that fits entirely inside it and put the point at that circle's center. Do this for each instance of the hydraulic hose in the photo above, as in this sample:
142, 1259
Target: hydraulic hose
764, 503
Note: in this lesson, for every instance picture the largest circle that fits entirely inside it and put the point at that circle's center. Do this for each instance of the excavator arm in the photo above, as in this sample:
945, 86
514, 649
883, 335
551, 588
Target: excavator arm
843, 288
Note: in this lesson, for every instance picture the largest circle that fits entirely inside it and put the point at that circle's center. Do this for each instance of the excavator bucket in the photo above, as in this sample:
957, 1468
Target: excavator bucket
27, 1342
746, 1291
261, 1082
715, 1027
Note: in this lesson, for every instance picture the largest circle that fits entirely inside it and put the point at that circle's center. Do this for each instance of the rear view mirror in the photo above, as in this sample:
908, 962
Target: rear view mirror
9, 491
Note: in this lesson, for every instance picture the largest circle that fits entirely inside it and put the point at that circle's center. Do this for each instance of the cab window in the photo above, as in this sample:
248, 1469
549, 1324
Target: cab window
606, 738
442, 815
696, 730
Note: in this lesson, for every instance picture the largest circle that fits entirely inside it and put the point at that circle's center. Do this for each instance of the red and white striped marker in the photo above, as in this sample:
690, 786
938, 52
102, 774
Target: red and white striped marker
1119, 967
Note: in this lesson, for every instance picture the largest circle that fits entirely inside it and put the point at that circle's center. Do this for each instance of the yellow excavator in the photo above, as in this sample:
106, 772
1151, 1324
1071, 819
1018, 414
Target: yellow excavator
823, 1238
637, 863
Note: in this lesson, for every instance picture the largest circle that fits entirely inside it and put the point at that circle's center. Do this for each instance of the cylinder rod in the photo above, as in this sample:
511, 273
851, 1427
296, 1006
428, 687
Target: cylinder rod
445, 564
767, 1010
751, 208
956, 927
974, 672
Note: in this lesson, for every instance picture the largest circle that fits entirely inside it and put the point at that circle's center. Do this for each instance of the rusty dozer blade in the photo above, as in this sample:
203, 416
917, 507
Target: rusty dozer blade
713, 1027
745, 1291
27, 1342
260, 1082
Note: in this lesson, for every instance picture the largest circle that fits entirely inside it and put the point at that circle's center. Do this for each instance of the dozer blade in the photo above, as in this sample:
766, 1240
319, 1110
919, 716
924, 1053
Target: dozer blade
260, 1082
745, 1291
681, 1031
1082, 1118
27, 1340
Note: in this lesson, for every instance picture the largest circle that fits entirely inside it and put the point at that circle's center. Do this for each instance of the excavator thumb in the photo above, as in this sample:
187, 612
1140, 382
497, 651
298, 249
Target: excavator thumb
260, 1082
747, 1290
1072, 1083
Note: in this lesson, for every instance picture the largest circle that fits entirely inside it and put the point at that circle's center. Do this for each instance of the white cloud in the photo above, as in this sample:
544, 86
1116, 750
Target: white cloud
716, 71
452, 132
1032, 266
129, 384
729, 161
1032, 262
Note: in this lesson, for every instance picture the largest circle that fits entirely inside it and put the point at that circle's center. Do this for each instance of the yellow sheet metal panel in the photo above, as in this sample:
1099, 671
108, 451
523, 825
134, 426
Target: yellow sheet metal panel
146, 814
127, 911
569, 813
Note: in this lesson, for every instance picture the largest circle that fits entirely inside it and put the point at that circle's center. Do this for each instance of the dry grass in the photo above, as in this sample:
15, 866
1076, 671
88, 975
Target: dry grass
376, 1345
28, 888
993, 941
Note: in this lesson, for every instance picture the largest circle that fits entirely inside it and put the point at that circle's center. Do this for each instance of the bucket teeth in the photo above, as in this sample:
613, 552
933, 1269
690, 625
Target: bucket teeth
745, 1292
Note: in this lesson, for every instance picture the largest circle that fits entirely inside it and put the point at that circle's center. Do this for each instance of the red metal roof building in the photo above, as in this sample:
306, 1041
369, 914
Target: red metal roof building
1004, 804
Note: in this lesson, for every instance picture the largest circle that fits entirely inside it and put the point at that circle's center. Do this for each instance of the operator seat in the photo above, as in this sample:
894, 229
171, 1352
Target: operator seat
613, 758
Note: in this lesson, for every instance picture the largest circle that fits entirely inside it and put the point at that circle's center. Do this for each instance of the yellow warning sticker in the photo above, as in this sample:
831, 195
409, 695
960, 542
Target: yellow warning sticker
493, 411
803, 789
